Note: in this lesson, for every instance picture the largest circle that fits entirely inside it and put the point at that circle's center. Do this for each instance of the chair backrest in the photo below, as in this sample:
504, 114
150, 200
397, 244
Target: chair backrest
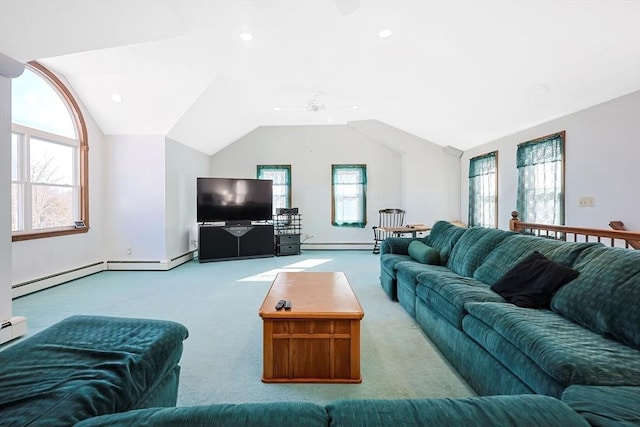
391, 217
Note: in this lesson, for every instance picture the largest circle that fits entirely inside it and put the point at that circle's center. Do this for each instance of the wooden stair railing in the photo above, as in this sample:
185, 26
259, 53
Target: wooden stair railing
619, 225
618, 238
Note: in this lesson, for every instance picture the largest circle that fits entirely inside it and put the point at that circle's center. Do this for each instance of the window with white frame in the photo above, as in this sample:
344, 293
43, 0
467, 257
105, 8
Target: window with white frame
281, 177
349, 195
483, 190
48, 157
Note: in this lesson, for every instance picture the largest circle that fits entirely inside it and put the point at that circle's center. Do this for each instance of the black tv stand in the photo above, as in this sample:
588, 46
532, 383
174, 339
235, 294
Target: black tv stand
235, 241
237, 223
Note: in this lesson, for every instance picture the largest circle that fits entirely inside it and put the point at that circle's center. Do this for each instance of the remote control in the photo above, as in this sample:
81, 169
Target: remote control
280, 304
287, 305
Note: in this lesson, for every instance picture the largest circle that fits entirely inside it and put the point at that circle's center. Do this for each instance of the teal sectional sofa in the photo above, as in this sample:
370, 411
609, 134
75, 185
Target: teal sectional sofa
588, 335
573, 363
106, 371
503, 411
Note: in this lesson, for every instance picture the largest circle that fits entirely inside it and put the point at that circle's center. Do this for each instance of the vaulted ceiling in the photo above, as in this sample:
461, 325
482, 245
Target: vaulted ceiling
456, 73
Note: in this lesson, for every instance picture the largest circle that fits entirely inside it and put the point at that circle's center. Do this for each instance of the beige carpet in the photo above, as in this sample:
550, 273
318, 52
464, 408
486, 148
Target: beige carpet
218, 302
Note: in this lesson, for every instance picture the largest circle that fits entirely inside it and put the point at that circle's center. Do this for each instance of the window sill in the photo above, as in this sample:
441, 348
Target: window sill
52, 232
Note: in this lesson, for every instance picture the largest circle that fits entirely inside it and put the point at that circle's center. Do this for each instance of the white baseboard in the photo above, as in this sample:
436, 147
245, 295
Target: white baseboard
337, 246
13, 328
161, 265
39, 284
35, 285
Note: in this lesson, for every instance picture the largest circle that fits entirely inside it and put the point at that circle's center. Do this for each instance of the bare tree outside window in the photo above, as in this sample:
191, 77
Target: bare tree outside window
51, 179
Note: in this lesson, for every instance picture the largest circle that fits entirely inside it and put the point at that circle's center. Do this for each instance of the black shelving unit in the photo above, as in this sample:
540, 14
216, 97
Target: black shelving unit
287, 229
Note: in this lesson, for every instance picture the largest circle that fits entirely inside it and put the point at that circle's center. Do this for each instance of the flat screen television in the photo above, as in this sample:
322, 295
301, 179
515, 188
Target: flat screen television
234, 200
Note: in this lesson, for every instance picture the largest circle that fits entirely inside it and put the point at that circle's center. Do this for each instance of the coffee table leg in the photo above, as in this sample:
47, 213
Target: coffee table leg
267, 340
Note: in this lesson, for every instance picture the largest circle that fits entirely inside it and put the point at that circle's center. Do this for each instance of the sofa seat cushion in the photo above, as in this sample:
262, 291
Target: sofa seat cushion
515, 248
511, 358
606, 295
447, 293
569, 353
411, 269
473, 247
407, 272
86, 366
388, 262
293, 414
605, 406
520, 410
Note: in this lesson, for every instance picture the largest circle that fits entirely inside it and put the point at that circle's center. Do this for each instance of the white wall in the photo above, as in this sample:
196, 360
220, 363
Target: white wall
183, 166
135, 198
430, 177
602, 152
402, 171
151, 202
5, 198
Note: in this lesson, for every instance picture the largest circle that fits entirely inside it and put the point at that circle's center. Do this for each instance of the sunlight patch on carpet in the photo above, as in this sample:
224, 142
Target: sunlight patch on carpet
268, 276
308, 263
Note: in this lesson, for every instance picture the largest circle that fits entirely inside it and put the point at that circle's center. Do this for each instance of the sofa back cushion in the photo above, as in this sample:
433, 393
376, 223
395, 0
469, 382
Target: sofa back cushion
282, 414
473, 247
522, 410
606, 295
515, 248
443, 237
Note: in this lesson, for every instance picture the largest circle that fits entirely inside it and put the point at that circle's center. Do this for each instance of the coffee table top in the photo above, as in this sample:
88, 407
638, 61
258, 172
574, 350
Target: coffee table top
312, 295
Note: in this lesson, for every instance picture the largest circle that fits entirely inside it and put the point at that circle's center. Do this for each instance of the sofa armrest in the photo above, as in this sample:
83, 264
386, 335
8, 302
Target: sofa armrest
398, 245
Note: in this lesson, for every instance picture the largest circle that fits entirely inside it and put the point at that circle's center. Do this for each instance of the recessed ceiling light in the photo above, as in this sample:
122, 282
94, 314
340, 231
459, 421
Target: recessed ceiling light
276, 108
246, 36
385, 33
355, 107
116, 97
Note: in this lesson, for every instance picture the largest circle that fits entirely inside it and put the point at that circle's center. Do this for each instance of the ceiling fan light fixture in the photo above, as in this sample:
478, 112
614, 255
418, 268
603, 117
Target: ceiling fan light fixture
312, 105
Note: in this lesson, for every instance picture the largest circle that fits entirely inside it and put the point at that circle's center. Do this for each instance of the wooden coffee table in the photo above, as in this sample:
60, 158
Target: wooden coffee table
318, 339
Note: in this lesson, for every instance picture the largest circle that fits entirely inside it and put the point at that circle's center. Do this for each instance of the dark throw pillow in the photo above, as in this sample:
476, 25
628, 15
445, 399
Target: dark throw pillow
423, 253
532, 282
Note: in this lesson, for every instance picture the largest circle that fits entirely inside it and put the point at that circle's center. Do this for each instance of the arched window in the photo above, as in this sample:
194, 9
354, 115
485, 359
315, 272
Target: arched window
49, 195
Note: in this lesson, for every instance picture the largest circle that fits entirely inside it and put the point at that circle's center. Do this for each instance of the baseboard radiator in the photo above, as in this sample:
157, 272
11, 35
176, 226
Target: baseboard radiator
337, 246
35, 285
162, 265
13, 328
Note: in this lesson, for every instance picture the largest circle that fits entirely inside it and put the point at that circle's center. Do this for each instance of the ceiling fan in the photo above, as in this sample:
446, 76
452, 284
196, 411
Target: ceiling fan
314, 105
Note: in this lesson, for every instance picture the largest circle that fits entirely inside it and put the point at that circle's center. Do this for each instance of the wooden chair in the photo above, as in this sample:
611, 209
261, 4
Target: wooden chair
388, 218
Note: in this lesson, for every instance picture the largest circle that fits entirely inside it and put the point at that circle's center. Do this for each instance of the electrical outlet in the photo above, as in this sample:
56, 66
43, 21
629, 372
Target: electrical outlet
586, 202
128, 251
